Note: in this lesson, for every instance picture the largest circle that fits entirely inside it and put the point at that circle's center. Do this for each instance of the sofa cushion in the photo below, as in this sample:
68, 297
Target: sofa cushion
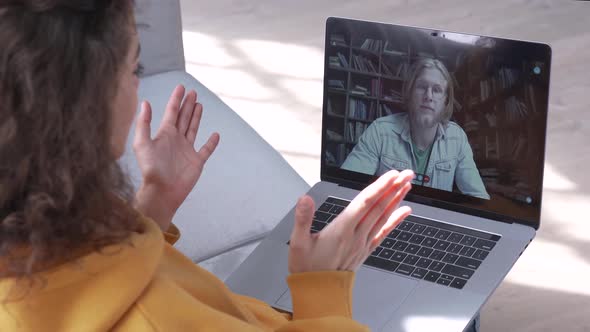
246, 187
160, 34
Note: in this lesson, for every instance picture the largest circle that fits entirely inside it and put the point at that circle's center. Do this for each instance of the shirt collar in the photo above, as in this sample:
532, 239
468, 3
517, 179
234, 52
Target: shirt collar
402, 128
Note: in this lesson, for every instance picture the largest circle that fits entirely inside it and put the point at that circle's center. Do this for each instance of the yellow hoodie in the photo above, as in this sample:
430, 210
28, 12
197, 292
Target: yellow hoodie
150, 286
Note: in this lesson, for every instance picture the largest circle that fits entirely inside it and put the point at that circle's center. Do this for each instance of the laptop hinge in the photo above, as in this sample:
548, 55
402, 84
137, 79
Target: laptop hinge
521, 225
352, 185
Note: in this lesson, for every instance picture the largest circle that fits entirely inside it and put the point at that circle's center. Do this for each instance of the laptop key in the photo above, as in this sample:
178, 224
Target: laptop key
436, 266
381, 263
341, 202
404, 236
418, 229
417, 239
393, 234
405, 269
411, 260
454, 248
429, 242
450, 258
442, 245
425, 252
318, 225
405, 226
468, 263
442, 234
447, 277
443, 282
430, 231
332, 217
484, 244
467, 251
398, 257
458, 283
419, 273
455, 237
400, 245
386, 253
325, 207
321, 216
376, 251
481, 254
431, 276
412, 249
437, 255
467, 240
424, 263
336, 209
387, 243
457, 271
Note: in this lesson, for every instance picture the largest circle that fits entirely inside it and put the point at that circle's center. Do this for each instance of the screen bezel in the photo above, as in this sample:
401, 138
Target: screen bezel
424, 195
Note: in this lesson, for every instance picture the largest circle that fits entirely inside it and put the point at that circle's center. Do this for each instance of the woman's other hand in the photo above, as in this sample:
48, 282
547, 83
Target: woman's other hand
170, 165
348, 240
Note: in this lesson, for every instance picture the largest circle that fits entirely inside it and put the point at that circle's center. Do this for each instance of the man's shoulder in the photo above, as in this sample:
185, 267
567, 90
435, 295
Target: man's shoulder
453, 130
395, 122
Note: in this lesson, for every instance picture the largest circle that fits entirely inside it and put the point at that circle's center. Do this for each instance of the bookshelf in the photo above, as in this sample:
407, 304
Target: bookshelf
365, 78
501, 118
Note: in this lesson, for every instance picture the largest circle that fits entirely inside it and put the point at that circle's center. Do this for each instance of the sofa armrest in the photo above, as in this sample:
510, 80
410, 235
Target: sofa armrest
246, 187
159, 26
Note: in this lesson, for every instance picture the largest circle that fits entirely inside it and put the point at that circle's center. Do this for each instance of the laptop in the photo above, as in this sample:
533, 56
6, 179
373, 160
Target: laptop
476, 198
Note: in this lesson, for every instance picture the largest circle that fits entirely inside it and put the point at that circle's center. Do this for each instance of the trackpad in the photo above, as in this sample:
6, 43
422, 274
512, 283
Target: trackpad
376, 296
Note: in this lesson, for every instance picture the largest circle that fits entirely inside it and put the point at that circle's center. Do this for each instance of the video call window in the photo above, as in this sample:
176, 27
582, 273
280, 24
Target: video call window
463, 112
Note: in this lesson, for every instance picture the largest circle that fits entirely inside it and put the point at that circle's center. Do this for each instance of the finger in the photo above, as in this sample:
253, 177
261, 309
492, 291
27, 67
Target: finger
396, 217
304, 211
391, 208
208, 148
193, 129
186, 112
173, 107
365, 200
300, 242
389, 193
143, 128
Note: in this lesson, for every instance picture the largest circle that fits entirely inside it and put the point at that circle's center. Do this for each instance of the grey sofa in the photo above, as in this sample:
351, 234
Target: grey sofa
246, 187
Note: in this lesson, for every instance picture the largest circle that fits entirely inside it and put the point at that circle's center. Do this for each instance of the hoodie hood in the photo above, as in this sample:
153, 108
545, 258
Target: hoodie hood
110, 281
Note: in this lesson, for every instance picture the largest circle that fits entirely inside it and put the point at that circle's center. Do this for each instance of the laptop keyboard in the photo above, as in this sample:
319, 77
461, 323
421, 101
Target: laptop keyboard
422, 248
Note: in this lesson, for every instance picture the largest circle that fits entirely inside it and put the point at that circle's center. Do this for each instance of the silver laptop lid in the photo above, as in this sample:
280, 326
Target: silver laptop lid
467, 113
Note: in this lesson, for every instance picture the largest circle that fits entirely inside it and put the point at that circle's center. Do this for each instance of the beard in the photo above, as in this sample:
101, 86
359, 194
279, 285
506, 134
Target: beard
425, 119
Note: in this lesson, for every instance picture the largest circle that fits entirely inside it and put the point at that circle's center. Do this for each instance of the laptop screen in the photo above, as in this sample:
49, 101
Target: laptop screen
467, 113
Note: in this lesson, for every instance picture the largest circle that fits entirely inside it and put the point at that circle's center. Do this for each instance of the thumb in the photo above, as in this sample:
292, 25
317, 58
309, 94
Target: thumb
303, 219
301, 237
143, 128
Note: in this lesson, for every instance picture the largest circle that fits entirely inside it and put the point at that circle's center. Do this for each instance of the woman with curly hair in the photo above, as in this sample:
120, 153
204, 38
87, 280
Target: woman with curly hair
79, 250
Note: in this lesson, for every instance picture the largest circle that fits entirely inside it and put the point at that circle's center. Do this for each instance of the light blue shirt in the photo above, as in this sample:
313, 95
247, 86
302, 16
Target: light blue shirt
385, 145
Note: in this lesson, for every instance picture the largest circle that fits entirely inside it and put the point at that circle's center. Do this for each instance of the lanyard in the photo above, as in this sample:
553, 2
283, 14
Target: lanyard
422, 177
426, 177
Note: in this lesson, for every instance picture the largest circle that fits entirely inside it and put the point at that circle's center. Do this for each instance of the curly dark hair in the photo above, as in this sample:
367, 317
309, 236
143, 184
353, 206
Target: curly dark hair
60, 187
